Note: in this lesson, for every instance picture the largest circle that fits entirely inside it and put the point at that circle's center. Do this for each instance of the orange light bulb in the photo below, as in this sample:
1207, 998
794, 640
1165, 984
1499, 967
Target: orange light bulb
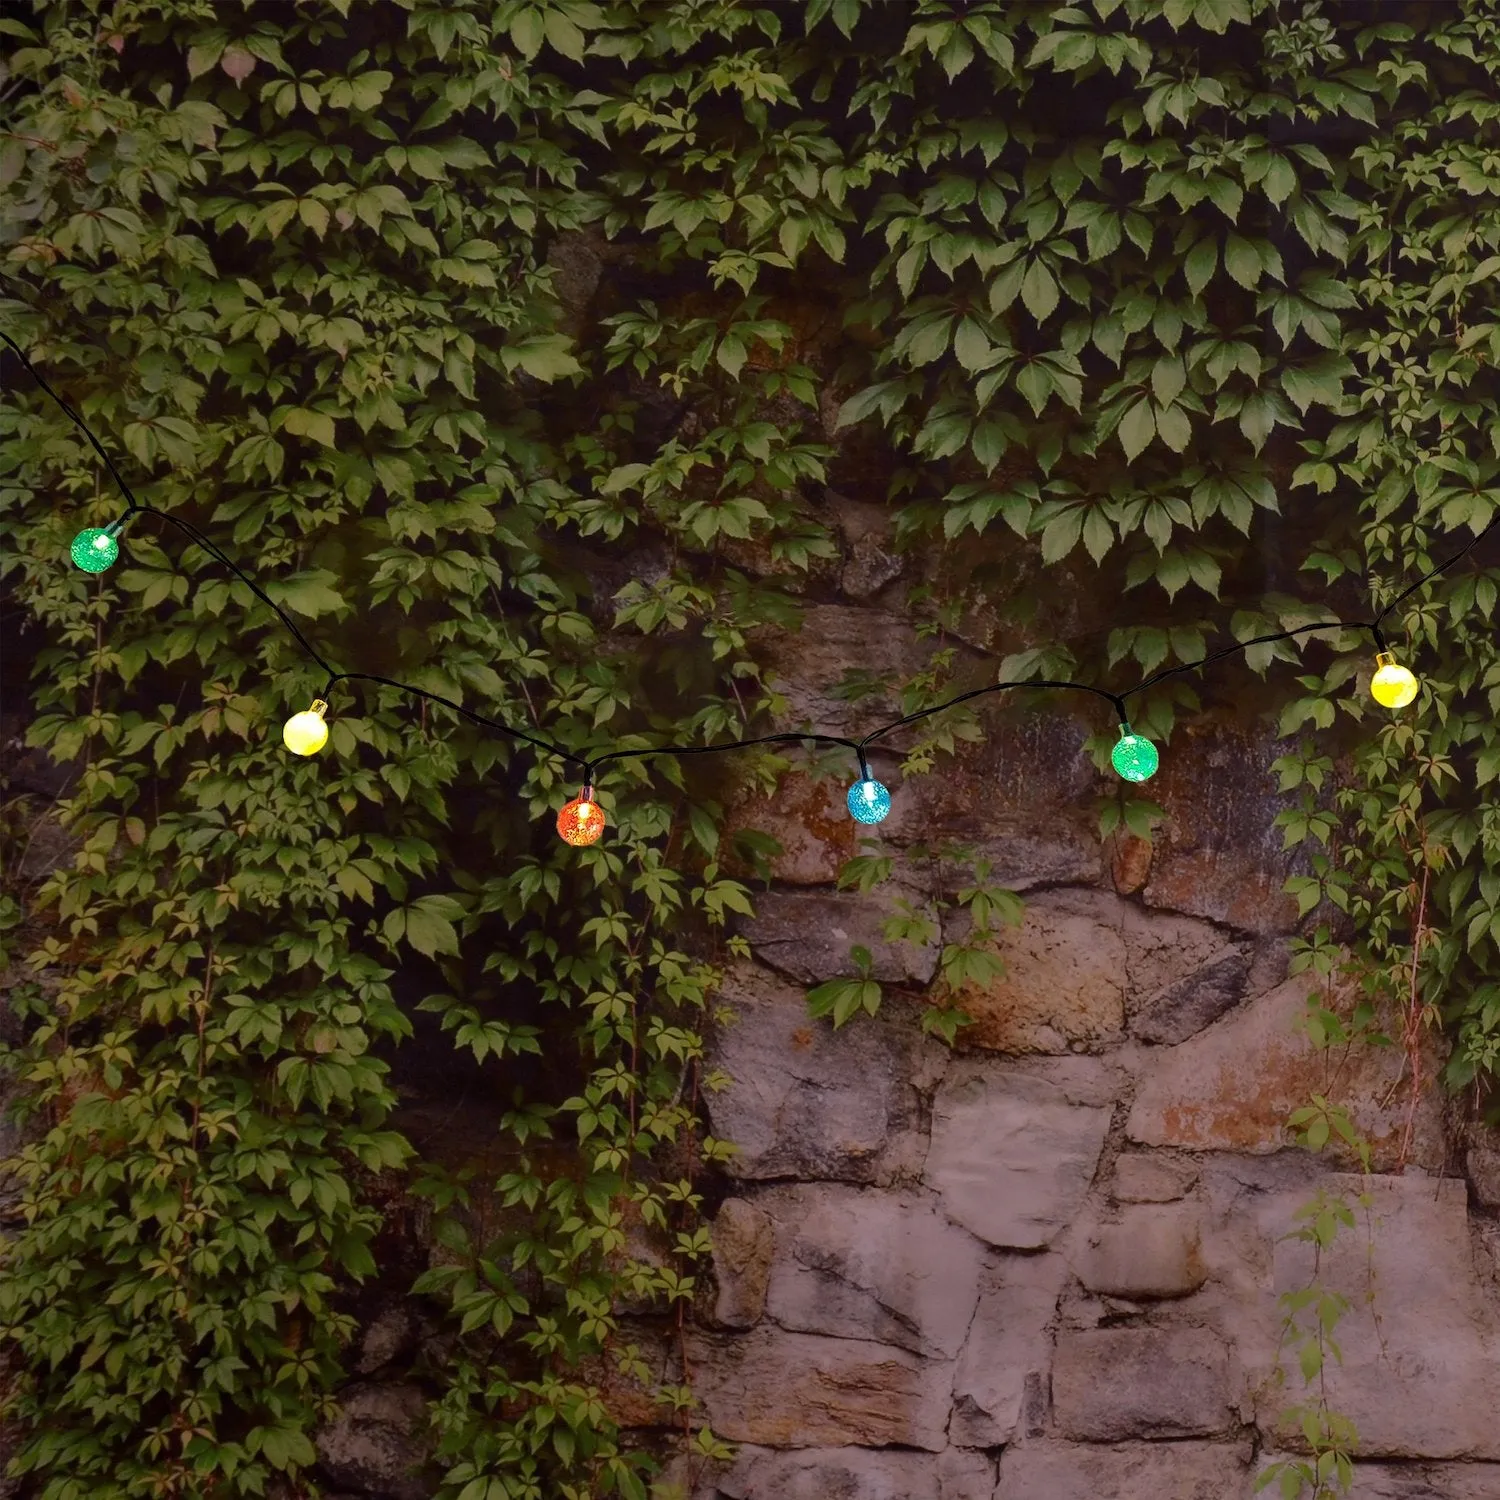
581, 822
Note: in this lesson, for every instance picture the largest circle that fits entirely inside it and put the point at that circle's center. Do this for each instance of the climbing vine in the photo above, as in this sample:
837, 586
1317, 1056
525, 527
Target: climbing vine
513, 345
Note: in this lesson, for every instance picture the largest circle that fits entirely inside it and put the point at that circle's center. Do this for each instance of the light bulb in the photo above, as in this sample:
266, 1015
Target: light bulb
95, 547
1392, 686
581, 821
868, 801
1134, 756
306, 733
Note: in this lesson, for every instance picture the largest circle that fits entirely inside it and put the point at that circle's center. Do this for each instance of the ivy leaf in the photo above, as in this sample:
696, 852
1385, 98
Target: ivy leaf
304, 422
544, 356
527, 31
1137, 428
1242, 261
971, 345
1173, 427
1199, 263
427, 924
310, 593
1039, 290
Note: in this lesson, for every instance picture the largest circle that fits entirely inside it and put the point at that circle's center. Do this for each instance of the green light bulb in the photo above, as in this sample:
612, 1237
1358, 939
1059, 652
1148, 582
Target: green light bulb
95, 548
1134, 757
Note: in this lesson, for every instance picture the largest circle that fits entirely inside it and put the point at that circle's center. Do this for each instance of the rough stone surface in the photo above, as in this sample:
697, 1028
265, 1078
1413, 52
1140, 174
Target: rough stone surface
872, 1265
1114, 1383
810, 662
798, 1390
1006, 1358
857, 1474
1132, 1471
744, 1242
1420, 1384
1016, 801
1426, 1482
391, 1335
1143, 1178
805, 1101
1150, 1251
1011, 1156
1220, 854
1064, 982
376, 1443
808, 935
810, 821
1183, 1009
1232, 1087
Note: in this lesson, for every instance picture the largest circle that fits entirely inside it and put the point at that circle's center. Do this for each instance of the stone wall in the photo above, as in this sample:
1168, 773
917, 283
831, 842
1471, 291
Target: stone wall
1045, 1265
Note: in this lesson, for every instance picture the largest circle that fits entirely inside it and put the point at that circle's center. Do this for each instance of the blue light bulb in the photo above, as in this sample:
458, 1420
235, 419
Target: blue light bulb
869, 802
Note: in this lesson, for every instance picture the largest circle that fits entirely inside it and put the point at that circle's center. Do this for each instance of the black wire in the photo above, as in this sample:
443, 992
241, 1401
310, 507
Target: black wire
197, 536
1260, 640
994, 687
859, 747
458, 708
1442, 567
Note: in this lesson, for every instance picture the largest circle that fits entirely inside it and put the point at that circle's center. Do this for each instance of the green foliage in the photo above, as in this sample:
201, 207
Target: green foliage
1090, 283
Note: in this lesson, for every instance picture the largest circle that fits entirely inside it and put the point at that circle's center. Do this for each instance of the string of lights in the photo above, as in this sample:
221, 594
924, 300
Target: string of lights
581, 821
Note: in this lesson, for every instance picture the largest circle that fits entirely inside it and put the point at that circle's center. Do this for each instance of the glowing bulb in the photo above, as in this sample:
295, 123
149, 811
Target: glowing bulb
1134, 757
581, 821
95, 548
868, 801
306, 733
1392, 686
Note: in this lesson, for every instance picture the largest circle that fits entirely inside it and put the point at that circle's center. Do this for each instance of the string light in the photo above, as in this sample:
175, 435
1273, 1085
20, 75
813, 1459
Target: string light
581, 821
1393, 685
96, 547
868, 801
1134, 756
306, 733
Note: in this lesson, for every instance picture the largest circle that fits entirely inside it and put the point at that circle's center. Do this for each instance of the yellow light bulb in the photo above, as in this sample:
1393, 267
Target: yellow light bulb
1393, 685
306, 733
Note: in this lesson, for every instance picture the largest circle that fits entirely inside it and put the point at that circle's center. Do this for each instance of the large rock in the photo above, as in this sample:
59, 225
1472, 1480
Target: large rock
1152, 1178
858, 1474
808, 935
744, 1241
1425, 1482
798, 1390
1149, 1251
1131, 1471
377, 1443
1012, 1155
808, 664
1160, 1382
810, 821
805, 1101
1220, 854
1018, 800
1183, 1009
1064, 982
1419, 1382
1000, 1384
1483, 1167
872, 1265
1232, 1087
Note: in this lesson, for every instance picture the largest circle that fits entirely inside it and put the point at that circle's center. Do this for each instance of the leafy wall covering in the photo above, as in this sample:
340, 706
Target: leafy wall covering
515, 345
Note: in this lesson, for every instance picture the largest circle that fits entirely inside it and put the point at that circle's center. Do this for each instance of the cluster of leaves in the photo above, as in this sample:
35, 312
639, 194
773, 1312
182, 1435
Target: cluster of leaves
500, 335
